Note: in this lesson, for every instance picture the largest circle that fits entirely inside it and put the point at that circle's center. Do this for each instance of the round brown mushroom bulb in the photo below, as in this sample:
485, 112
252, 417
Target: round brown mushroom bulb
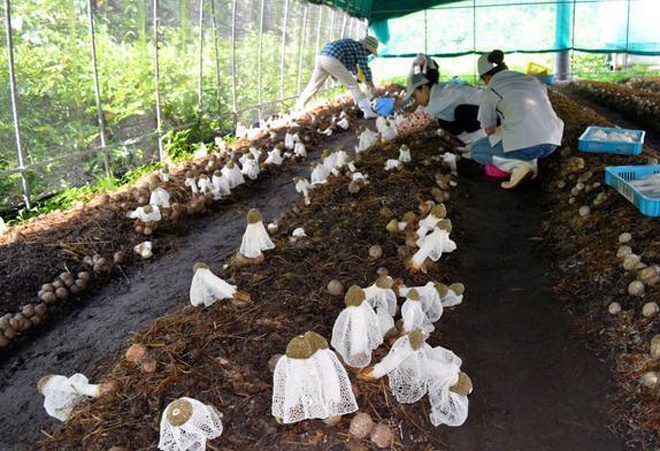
354, 296
148, 209
382, 436
189, 174
442, 289
409, 216
4, 322
9, 332
217, 173
84, 275
335, 287
148, 365
119, 257
199, 265
48, 297
361, 425
41, 383
135, 353
47, 287
62, 293
57, 284
40, 309
28, 310
413, 295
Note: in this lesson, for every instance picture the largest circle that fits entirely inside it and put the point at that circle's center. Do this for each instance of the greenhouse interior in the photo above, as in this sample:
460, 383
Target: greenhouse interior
330, 224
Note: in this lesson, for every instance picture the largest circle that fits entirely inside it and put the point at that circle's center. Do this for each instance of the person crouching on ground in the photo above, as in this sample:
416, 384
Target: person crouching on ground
454, 107
341, 59
530, 128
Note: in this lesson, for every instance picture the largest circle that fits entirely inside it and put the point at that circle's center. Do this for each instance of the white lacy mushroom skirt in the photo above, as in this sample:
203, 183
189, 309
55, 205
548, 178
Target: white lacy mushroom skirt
317, 387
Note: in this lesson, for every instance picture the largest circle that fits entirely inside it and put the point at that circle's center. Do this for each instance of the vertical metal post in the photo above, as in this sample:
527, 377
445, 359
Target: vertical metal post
233, 58
426, 32
14, 107
200, 94
283, 49
303, 35
318, 30
159, 125
259, 54
332, 25
343, 25
97, 89
217, 58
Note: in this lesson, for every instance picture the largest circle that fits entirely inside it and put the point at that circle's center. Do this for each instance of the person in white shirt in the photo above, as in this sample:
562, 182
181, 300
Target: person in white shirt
454, 106
530, 128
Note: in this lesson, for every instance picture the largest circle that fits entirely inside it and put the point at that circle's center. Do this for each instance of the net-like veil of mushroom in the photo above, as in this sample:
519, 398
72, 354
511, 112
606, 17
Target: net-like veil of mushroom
187, 424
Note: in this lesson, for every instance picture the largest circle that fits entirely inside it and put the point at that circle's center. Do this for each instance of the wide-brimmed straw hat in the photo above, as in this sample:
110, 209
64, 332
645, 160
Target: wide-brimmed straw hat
371, 44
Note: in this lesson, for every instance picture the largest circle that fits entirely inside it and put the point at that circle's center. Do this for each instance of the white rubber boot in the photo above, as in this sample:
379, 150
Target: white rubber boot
519, 170
365, 106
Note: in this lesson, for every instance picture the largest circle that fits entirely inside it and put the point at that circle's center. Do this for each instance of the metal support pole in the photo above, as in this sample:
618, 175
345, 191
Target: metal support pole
14, 107
283, 49
332, 25
259, 54
301, 48
159, 125
200, 94
233, 58
318, 30
217, 58
343, 25
97, 89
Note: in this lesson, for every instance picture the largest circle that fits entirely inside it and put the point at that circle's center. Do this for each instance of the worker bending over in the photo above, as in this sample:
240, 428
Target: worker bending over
341, 59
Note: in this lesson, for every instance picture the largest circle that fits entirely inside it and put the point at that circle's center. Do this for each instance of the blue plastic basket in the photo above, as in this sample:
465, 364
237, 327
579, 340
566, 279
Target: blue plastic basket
619, 176
546, 79
620, 148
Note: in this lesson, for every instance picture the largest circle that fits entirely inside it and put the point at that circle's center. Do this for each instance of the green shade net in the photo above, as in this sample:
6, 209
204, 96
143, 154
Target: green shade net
459, 27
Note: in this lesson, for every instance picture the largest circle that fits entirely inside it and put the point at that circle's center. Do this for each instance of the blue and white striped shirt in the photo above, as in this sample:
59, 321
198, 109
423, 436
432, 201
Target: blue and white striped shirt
351, 53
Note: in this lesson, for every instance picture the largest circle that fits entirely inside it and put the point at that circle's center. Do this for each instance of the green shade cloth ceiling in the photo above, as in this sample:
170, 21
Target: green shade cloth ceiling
460, 27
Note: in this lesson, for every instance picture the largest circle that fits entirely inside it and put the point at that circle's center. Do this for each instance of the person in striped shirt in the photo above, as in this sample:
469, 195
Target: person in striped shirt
344, 59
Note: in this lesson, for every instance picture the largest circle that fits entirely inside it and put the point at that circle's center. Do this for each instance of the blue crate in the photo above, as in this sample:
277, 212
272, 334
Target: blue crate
618, 177
620, 148
546, 79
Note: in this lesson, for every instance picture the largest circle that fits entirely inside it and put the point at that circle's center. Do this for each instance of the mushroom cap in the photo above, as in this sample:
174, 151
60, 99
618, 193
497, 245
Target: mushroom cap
179, 412
230, 164
41, 384
249, 156
354, 296
439, 211
147, 209
296, 179
217, 173
254, 216
445, 224
199, 265
384, 282
413, 295
165, 170
299, 348
316, 341
326, 153
441, 288
153, 186
189, 174
417, 338
463, 386
457, 288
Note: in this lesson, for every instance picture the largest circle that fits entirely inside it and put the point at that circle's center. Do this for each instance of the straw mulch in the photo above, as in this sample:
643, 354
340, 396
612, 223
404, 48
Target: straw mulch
220, 354
589, 275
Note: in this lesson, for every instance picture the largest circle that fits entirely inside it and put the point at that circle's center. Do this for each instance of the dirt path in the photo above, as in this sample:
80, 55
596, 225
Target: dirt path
536, 387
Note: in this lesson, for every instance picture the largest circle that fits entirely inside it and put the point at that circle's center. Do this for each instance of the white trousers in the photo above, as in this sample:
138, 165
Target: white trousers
323, 68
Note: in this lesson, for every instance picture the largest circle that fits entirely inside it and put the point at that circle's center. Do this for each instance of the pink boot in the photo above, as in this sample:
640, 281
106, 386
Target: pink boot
492, 171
